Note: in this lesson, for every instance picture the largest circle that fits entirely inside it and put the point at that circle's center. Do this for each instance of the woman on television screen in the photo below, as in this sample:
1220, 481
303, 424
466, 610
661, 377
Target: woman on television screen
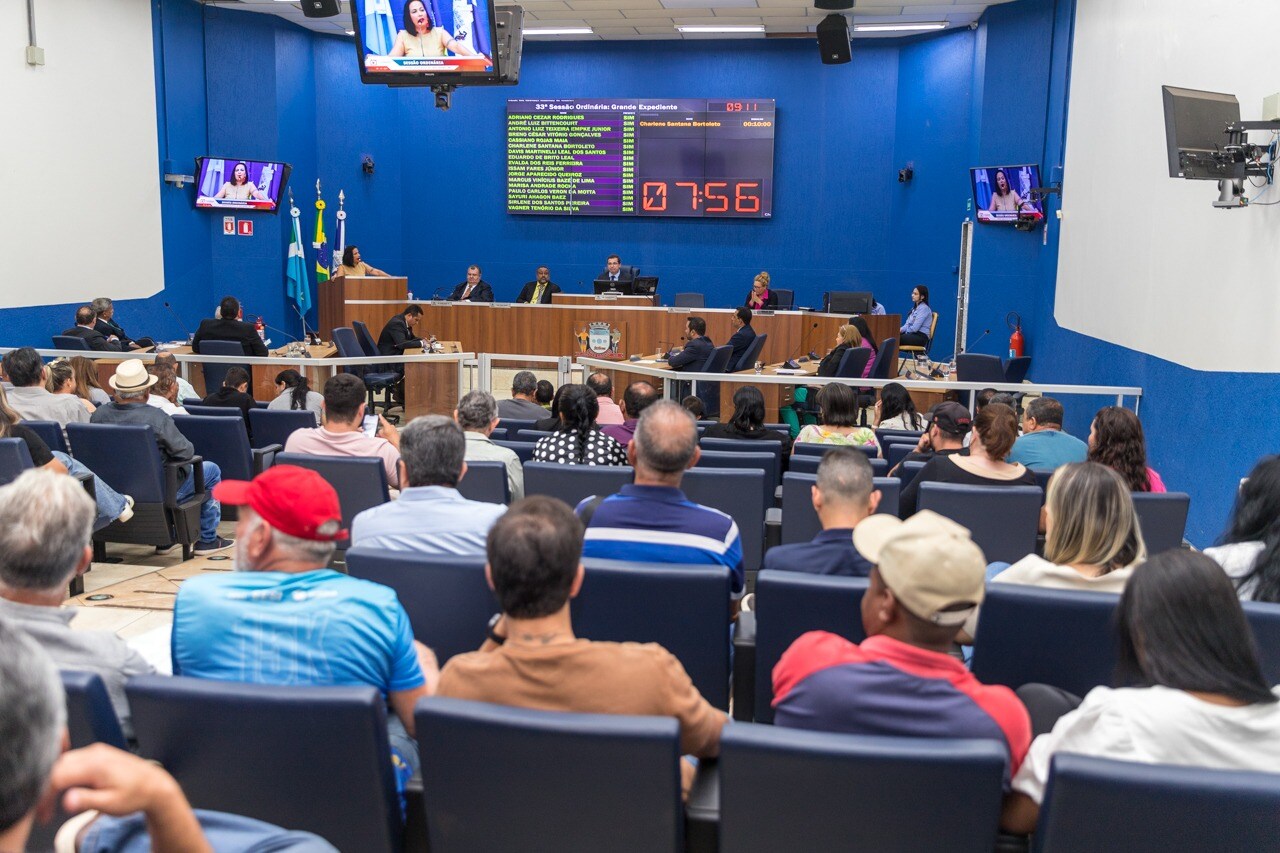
1005, 198
240, 188
421, 37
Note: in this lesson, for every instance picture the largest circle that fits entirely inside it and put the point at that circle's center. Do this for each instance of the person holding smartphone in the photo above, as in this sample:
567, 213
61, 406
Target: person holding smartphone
348, 430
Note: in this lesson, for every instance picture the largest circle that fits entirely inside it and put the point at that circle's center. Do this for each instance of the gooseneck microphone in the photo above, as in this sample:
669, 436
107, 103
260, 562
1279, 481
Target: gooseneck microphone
281, 331
803, 340
181, 325
306, 334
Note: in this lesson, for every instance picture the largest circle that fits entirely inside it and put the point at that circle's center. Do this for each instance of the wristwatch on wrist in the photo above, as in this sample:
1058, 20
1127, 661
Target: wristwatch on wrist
493, 635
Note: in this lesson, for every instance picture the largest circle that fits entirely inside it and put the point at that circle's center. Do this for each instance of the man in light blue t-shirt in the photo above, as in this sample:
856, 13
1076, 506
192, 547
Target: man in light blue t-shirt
285, 618
1043, 445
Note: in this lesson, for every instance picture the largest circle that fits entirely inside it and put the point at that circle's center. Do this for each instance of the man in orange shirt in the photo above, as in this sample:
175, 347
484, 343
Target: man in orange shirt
532, 658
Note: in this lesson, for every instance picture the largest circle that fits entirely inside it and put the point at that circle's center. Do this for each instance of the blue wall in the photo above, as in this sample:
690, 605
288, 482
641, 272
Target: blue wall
244, 84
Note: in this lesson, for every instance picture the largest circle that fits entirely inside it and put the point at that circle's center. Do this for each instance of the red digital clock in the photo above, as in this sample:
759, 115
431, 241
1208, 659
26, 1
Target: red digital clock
705, 198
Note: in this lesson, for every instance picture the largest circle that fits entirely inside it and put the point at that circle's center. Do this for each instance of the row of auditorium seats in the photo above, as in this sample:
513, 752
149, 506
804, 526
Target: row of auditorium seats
587, 782
737, 480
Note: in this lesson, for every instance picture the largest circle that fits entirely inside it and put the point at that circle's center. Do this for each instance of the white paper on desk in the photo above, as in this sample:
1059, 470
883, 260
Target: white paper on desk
787, 371
155, 647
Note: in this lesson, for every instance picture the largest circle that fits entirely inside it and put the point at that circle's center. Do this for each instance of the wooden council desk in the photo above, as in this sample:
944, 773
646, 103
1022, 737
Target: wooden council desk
550, 330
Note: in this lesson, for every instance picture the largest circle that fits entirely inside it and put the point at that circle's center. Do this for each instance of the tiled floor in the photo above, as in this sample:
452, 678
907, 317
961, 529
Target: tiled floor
142, 588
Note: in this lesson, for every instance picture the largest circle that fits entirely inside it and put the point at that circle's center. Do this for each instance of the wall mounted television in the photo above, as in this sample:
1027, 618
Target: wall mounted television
229, 183
1000, 193
425, 42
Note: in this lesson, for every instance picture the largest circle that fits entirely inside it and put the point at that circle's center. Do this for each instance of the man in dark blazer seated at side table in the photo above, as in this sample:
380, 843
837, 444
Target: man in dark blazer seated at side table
613, 270
474, 289
228, 326
539, 290
83, 329
105, 309
741, 339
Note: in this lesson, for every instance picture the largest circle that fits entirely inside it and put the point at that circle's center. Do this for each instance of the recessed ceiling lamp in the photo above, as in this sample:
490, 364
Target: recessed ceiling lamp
702, 28
902, 27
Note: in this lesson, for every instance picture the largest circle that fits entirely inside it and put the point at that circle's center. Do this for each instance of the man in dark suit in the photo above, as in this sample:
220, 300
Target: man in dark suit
106, 324
83, 329
474, 289
228, 326
741, 339
613, 270
540, 289
697, 347
398, 335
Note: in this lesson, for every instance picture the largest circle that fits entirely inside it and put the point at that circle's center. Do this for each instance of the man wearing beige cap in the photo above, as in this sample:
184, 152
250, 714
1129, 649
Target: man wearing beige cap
902, 680
132, 384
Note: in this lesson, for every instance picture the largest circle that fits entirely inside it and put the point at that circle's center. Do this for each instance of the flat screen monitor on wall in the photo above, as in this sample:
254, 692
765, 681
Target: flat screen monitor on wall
1196, 122
232, 184
1000, 193
641, 157
425, 42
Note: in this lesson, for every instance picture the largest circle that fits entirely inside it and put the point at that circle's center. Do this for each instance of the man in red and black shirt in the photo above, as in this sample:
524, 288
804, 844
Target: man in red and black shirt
928, 578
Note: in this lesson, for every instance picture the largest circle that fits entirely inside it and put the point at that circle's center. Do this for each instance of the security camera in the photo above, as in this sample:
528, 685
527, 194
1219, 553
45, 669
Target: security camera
366, 163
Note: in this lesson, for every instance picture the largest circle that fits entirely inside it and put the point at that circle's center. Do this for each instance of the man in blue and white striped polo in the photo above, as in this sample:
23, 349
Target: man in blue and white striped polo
651, 521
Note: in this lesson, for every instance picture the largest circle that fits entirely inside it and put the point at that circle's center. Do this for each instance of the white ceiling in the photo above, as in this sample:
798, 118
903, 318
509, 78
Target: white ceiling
657, 19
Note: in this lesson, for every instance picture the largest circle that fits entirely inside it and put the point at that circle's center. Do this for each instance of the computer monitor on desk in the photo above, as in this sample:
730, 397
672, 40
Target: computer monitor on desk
646, 285
604, 285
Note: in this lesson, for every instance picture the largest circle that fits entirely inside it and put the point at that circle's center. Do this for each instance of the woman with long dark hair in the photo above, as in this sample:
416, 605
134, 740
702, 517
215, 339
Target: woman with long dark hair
896, 410
1250, 549
579, 441
919, 323
293, 393
747, 421
1116, 440
868, 339
1200, 699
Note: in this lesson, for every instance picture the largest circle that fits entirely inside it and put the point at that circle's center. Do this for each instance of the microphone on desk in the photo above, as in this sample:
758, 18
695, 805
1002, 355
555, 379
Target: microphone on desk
181, 325
306, 334
281, 331
435, 296
791, 362
985, 332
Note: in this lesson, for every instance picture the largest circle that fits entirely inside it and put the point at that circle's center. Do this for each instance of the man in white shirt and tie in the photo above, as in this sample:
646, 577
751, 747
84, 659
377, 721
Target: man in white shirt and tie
474, 289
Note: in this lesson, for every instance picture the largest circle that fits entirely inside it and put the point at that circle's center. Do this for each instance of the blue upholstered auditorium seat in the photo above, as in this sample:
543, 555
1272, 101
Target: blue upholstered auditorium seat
787, 789
545, 782
1100, 804
310, 758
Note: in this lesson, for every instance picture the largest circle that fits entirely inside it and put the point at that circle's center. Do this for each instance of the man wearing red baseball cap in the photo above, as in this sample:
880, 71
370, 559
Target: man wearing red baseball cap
284, 617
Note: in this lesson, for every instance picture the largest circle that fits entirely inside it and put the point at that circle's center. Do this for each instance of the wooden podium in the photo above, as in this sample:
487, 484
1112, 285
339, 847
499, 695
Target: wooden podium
342, 298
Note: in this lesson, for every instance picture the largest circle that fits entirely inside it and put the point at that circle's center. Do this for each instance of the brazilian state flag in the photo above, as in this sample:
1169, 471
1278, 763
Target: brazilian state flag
324, 258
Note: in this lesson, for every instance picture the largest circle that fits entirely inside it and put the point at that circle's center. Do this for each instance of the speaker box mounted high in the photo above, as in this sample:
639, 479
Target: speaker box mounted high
320, 8
833, 40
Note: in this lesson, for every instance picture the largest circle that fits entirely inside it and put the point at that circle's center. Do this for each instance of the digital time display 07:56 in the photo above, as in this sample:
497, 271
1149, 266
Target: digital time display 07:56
675, 197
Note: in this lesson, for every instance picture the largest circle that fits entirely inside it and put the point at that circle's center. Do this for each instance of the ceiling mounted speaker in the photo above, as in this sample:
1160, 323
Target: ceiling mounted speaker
833, 5
833, 40
320, 8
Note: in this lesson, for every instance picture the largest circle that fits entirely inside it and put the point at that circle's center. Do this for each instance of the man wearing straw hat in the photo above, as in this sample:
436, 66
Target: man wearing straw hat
132, 383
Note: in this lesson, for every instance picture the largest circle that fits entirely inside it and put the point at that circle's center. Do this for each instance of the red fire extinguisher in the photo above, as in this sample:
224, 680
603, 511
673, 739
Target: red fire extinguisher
1016, 341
